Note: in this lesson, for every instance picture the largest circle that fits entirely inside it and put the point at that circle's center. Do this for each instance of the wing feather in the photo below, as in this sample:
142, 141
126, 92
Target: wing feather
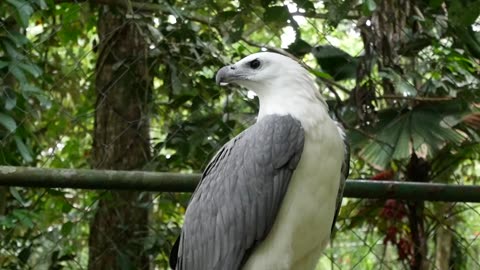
343, 179
235, 205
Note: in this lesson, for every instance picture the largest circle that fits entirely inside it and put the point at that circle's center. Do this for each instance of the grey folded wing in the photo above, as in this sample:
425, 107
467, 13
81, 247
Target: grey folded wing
343, 179
238, 198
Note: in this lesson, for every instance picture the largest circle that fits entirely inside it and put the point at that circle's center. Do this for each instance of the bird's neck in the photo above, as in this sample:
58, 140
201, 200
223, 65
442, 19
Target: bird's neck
298, 98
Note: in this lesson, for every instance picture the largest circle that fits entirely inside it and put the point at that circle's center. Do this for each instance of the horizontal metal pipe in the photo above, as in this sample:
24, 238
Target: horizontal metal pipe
178, 182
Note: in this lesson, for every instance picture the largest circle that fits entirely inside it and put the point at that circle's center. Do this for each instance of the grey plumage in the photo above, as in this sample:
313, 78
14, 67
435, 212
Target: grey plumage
238, 198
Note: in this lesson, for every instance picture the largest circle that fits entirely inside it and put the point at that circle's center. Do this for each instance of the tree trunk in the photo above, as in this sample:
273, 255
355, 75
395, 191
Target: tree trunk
121, 141
444, 237
444, 247
418, 170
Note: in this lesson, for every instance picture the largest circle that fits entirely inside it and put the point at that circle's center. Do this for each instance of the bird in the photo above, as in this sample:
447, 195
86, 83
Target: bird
269, 197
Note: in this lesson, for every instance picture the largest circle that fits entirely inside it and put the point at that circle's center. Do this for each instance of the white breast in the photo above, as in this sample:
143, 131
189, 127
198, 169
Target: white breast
302, 228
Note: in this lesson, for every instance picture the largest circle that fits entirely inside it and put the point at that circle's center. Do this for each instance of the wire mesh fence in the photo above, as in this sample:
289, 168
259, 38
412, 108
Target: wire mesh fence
130, 85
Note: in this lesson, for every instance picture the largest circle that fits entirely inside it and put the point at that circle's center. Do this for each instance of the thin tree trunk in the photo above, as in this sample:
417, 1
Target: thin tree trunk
418, 170
419, 239
121, 141
3, 200
444, 238
444, 248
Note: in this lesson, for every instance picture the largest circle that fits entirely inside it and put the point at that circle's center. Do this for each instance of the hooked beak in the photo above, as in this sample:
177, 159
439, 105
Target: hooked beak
226, 75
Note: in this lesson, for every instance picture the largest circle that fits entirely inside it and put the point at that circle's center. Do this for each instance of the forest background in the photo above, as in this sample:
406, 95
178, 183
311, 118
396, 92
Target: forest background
128, 85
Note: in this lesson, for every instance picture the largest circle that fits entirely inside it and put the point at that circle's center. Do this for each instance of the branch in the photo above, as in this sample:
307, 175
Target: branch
446, 98
140, 6
320, 15
274, 49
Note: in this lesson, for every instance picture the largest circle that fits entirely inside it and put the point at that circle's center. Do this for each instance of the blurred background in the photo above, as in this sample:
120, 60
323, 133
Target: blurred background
129, 85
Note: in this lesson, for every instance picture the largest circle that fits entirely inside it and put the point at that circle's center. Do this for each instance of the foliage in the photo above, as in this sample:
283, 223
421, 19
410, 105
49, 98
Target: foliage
397, 93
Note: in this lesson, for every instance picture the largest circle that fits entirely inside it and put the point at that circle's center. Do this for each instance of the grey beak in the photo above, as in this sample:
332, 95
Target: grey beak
225, 75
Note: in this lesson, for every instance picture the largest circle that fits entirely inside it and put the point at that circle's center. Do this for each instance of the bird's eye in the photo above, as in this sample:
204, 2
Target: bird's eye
254, 64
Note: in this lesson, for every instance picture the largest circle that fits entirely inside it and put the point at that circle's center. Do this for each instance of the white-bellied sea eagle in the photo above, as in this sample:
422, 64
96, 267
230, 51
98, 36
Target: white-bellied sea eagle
269, 197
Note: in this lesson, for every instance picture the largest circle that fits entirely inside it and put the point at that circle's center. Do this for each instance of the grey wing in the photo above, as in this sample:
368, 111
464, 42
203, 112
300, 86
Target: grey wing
235, 205
343, 179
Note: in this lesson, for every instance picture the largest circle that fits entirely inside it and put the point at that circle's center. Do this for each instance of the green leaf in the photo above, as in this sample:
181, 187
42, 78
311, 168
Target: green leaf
405, 88
397, 135
336, 62
41, 3
321, 74
24, 10
17, 196
12, 51
8, 122
276, 14
225, 16
3, 64
236, 30
10, 103
66, 228
463, 13
305, 4
266, 3
10, 98
18, 39
154, 33
17, 72
31, 90
23, 149
299, 47
124, 261
371, 5
31, 68
23, 217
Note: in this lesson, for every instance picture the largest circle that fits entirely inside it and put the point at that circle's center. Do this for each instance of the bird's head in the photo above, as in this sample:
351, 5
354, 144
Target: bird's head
262, 71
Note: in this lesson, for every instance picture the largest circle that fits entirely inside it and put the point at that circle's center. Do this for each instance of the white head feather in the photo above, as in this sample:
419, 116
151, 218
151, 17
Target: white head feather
282, 84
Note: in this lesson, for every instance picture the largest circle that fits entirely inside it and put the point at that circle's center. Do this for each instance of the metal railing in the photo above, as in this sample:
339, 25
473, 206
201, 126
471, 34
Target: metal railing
179, 182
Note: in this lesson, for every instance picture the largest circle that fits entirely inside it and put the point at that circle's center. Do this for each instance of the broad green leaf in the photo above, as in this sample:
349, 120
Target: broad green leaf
404, 88
321, 74
31, 68
237, 30
41, 3
23, 149
16, 195
223, 16
18, 39
276, 14
25, 254
10, 102
299, 47
336, 62
24, 10
266, 3
17, 72
154, 33
12, 51
371, 5
23, 217
66, 228
307, 5
3, 64
31, 90
124, 261
397, 135
463, 13
8, 122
